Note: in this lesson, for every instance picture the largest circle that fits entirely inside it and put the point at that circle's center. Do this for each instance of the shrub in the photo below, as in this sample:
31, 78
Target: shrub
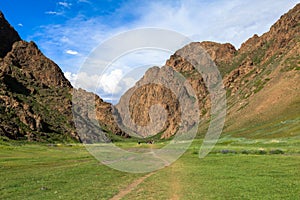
246, 152
226, 151
276, 151
261, 152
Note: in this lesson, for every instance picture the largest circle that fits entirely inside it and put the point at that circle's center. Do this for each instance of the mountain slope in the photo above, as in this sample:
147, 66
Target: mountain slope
261, 80
36, 98
264, 88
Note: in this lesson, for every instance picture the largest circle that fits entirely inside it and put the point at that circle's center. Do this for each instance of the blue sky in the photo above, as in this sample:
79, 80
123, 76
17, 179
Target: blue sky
68, 30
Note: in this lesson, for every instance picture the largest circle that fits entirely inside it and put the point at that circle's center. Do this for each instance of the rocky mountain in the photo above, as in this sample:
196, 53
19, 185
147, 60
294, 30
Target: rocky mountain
36, 98
263, 87
261, 80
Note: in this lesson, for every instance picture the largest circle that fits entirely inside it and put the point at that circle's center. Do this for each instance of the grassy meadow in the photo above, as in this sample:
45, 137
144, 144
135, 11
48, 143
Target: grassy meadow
237, 168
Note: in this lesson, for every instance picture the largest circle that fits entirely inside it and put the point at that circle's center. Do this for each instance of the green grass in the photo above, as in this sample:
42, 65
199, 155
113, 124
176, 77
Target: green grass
225, 177
32, 171
228, 176
291, 63
41, 172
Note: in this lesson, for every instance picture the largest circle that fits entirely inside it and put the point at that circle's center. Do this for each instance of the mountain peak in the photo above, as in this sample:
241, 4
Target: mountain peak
8, 36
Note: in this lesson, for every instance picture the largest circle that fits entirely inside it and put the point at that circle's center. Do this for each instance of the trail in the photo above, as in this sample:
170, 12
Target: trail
131, 187
175, 185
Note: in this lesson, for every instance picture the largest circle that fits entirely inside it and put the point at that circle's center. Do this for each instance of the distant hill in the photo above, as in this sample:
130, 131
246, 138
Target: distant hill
262, 81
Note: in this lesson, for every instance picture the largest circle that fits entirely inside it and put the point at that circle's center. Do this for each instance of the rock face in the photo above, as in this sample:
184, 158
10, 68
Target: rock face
221, 54
36, 98
91, 111
157, 105
261, 80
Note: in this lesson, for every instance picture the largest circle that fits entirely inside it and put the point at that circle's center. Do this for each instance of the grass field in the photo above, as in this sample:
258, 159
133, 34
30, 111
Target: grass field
236, 169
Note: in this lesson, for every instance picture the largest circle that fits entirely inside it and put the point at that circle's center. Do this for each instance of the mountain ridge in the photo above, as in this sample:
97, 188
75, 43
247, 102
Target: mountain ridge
264, 67
261, 79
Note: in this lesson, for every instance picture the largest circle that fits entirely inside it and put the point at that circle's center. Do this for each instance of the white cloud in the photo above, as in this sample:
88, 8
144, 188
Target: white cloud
71, 52
53, 13
83, 80
109, 82
222, 21
65, 4
71, 77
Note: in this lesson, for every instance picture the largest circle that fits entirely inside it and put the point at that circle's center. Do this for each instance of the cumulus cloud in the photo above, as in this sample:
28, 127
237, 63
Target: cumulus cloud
111, 83
64, 4
71, 77
71, 52
83, 80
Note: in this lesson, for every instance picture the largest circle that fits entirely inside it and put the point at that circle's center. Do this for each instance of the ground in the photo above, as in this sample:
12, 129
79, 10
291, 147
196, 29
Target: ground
237, 168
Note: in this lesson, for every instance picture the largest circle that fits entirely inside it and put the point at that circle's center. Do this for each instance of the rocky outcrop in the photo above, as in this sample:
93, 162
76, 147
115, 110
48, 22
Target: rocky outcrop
34, 65
161, 102
94, 110
221, 54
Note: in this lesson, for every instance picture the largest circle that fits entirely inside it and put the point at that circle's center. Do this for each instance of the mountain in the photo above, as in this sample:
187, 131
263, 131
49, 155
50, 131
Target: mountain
263, 88
36, 98
261, 79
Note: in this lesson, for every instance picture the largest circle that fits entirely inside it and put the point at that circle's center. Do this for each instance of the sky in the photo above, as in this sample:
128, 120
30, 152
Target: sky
67, 31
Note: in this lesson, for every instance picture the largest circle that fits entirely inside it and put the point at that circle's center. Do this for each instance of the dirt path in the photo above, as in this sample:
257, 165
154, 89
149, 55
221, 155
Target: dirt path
131, 187
175, 185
